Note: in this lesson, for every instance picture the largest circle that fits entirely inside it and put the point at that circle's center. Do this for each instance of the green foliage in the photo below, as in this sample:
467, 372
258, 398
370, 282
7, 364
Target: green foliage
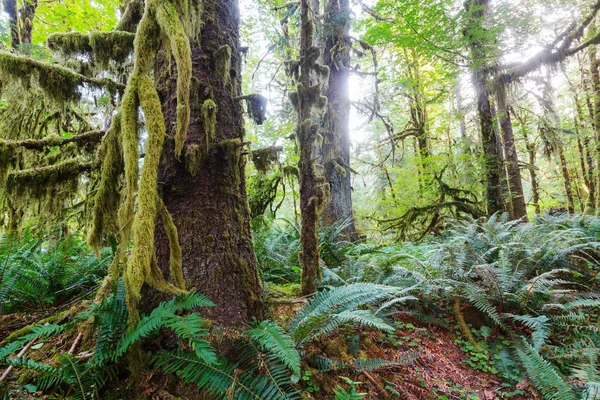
38, 274
351, 393
331, 308
272, 337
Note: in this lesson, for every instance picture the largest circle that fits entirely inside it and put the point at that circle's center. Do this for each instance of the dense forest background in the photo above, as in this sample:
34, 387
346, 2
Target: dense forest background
269, 199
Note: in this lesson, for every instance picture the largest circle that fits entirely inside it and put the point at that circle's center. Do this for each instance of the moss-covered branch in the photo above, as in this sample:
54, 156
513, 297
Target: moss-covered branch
51, 141
101, 47
59, 83
36, 177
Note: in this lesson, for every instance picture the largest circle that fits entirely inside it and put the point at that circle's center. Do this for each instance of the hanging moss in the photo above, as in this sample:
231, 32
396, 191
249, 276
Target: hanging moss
257, 108
194, 158
38, 177
139, 268
104, 214
7, 158
58, 83
209, 115
264, 158
131, 17
222, 59
291, 170
168, 19
101, 47
129, 140
175, 256
55, 140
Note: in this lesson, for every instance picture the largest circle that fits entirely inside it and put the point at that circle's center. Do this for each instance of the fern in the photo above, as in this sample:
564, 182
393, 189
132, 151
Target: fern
222, 380
273, 338
543, 375
319, 316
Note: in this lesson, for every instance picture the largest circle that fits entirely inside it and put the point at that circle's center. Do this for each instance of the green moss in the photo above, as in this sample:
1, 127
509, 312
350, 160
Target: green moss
341, 171
132, 16
264, 158
209, 116
194, 158
7, 157
58, 83
141, 266
104, 214
36, 178
168, 19
129, 144
175, 256
222, 57
101, 47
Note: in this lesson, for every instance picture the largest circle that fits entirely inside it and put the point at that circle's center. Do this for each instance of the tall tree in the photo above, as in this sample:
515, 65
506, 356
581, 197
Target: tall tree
192, 179
336, 138
308, 102
478, 41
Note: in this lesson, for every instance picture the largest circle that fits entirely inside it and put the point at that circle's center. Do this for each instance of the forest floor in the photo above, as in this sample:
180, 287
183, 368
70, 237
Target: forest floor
434, 365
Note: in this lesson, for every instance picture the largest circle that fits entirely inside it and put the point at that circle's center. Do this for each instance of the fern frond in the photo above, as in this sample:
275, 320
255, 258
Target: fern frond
271, 337
543, 375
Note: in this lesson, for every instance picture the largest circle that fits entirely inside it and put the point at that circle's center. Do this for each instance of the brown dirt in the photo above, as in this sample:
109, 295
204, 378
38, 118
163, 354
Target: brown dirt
437, 369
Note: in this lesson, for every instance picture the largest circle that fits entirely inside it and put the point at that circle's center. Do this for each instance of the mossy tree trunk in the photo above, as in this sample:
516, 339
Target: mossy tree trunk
336, 140
307, 101
27, 14
479, 54
205, 189
418, 116
513, 171
595, 111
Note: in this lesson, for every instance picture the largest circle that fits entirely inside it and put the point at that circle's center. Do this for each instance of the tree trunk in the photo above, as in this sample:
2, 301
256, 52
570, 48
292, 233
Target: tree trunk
517, 197
567, 180
27, 13
418, 116
595, 74
535, 199
10, 8
205, 190
479, 53
336, 141
313, 188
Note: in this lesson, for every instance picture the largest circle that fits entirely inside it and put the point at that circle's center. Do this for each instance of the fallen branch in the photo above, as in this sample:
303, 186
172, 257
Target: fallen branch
21, 354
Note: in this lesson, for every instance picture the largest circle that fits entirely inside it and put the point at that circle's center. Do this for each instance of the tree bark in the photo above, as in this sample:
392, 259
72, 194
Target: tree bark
517, 197
336, 140
567, 180
313, 187
205, 190
27, 13
479, 53
535, 199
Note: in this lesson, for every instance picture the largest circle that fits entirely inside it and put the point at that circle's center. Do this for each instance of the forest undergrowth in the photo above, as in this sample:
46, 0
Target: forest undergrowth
491, 309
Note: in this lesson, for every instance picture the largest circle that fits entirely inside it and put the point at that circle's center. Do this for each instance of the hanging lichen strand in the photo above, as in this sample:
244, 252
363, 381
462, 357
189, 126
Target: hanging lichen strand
160, 20
307, 101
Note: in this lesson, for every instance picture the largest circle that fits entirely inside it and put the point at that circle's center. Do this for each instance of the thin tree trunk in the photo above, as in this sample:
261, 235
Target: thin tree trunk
517, 197
205, 192
336, 141
535, 198
567, 180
